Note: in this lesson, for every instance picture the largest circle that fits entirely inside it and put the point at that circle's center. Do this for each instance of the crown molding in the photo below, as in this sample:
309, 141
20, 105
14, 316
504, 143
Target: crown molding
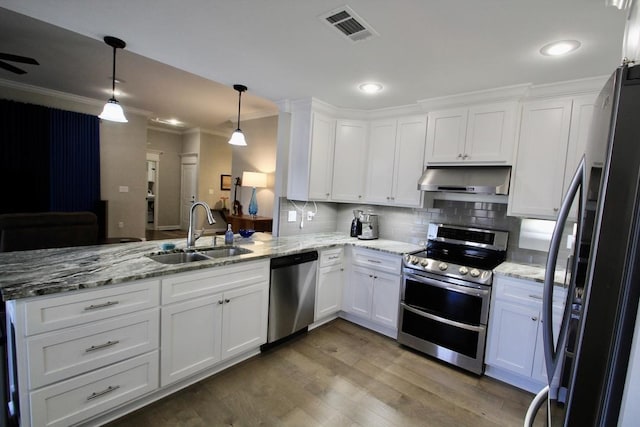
501, 94
567, 88
66, 96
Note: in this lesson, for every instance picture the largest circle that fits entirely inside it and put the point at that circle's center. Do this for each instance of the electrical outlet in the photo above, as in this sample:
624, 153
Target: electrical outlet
123, 189
292, 216
310, 216
211, 191
121, 224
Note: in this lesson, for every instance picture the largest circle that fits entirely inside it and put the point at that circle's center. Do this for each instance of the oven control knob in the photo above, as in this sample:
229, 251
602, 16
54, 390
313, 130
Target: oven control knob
474, 272
414, 259
424, 262
463, 270
443, 266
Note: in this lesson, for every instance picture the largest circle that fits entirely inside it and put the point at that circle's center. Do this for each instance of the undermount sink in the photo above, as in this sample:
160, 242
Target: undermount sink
183, 256
224, 251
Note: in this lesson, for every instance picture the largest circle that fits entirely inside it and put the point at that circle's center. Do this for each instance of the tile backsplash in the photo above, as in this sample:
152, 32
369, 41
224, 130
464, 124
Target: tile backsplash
410, 224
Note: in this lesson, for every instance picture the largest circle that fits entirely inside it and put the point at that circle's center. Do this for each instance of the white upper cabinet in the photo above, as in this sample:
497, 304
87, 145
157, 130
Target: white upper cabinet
349, 161
553, 139
483, 134
395, 161
311, 147
542, 152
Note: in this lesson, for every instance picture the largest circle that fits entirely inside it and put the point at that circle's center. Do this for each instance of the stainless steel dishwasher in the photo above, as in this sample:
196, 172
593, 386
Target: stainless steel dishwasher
292, 294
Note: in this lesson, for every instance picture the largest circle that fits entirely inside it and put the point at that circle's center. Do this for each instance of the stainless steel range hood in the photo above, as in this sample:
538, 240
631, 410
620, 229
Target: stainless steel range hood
466, 179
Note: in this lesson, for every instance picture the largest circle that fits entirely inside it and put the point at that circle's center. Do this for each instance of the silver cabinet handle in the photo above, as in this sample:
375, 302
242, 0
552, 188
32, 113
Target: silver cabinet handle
227, 301
101, 346
459, 155
220, 302
535, 296
374, 261
442, 319
534, 319
334, 257
106, 304
103, 392
465, 156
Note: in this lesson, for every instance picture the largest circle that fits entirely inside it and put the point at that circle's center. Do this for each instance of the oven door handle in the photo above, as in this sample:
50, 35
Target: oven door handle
441, 319
448, 286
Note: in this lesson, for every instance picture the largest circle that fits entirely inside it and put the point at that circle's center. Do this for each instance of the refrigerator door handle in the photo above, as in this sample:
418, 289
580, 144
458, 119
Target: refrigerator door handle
552, 355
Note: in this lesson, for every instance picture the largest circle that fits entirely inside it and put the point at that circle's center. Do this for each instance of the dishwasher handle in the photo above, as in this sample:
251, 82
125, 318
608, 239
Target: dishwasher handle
294, 259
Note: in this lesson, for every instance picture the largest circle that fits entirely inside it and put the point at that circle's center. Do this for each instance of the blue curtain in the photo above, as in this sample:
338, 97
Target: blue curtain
49, 159
74, 161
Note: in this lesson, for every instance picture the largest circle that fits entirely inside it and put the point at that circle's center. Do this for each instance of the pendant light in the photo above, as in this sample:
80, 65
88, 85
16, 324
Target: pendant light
237, 138
112, 110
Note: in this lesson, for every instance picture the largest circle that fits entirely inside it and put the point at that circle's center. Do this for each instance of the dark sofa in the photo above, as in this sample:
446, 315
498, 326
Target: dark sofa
25, 231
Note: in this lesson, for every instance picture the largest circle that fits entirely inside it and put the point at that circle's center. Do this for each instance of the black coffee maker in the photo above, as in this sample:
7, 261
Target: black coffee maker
356, 224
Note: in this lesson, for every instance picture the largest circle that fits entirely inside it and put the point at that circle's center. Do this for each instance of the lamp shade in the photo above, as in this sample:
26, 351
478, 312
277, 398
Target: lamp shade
237, 138
254, 179
112, 111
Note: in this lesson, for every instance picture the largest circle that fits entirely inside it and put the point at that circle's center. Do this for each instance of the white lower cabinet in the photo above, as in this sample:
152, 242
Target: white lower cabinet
329, 285
372, 291
227, 318
515, 351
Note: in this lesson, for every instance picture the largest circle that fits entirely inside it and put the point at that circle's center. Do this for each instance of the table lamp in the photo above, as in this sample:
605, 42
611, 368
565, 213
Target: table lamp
254, 179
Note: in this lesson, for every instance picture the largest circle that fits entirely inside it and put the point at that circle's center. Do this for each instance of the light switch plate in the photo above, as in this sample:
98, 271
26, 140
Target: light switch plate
124, 189
292, 216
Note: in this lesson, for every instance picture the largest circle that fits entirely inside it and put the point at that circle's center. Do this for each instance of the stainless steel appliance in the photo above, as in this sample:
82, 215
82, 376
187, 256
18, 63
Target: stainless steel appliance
369, 223
466, 179
606, 271
292, 294
446, 291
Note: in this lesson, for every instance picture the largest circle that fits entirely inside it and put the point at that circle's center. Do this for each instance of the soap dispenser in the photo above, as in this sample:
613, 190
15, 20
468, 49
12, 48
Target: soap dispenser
228, 236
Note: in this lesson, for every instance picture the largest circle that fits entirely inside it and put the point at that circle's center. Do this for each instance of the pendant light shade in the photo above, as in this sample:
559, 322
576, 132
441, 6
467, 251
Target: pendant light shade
237, 138
112, 110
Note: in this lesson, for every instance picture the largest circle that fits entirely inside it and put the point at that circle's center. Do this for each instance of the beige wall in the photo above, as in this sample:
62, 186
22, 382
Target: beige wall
122, 158
169, 147
258, 156
214, 160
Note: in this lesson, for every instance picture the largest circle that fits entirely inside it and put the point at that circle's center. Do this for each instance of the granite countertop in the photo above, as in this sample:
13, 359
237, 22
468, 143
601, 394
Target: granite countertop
527, 272
26, 274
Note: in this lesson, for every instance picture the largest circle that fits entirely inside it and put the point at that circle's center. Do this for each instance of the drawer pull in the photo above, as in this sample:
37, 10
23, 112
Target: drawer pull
374, 261
535, 296
227, 300
106, 304
101, 346
334, 257
103, 392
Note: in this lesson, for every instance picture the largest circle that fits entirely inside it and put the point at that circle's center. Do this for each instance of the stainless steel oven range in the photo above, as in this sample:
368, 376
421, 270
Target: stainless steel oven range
446, 291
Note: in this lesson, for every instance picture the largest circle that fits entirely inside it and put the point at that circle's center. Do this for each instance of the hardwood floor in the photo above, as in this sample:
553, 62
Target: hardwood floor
339, 375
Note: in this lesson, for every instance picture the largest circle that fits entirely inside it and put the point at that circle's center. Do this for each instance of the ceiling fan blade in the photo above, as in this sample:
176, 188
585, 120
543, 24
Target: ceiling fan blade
18, 58
11, 68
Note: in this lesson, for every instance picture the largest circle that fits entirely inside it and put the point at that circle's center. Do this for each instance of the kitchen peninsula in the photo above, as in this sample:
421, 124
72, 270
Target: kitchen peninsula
103, 330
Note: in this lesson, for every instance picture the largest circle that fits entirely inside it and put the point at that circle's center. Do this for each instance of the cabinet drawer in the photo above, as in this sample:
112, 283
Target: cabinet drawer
62, 354
377, 260
525, 291
82, 397
331, 257
78, 308
191, 285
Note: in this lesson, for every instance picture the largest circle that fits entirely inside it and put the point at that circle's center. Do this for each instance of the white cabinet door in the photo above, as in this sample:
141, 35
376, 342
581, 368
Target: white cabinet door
190, 337
349, 161
491, 133
321, 162
360, 292
409, 161
446, 133
540, 164
512, 337
381, 160
539, 371
244, 316
328, 291
385, 299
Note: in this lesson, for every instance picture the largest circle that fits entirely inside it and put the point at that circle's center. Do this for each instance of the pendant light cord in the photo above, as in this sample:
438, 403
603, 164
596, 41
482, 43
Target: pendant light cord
113, 76
239, 101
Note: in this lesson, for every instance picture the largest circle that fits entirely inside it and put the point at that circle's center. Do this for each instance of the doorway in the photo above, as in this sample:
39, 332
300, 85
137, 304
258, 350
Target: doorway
188, 187
153, 191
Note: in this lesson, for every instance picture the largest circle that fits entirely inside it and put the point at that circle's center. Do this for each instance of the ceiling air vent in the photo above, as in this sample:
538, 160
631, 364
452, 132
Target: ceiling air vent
349, 24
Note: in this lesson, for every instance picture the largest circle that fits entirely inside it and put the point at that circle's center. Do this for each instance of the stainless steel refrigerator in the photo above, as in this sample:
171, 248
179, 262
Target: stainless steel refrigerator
602, 301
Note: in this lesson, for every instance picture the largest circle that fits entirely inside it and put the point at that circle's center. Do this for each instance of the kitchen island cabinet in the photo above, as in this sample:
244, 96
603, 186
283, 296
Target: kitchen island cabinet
330, 284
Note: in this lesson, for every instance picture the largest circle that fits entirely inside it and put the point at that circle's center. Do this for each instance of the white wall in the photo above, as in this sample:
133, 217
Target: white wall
214, 160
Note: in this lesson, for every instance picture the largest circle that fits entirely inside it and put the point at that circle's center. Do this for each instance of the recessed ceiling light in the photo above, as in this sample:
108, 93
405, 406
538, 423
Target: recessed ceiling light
172, 122
370, 87
561, 47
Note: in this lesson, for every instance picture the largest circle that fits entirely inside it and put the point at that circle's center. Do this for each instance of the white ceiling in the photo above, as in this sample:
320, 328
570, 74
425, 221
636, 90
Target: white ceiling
280, 49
